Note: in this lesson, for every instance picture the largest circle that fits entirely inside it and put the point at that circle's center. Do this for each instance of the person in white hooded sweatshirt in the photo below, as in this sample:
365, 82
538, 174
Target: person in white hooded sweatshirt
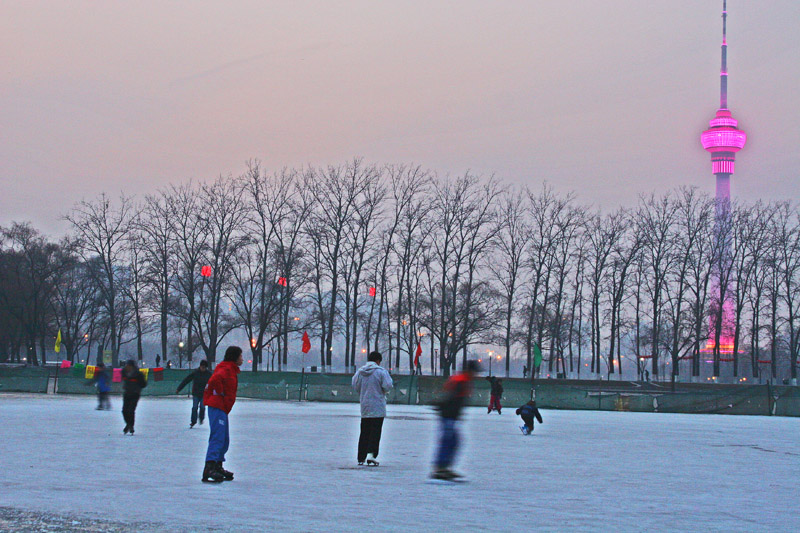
371, 382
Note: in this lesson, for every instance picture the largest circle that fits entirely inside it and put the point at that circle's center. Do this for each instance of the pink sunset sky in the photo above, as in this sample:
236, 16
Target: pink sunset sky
607, 98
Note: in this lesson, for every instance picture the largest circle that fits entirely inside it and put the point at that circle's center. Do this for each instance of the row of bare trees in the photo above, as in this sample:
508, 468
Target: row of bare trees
370, 257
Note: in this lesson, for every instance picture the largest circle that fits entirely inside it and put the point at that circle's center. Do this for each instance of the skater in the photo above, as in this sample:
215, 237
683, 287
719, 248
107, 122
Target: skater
527, 412
371, 382
101, 381
496, 394
456, 391
219, 397
524, 371
199, 378
133, 382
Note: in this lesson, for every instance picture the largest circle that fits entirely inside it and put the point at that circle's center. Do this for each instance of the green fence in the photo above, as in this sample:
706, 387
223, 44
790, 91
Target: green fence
426, 390
24, 379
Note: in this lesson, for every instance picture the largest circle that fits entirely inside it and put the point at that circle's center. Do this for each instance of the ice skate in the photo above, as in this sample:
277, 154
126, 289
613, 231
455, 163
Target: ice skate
371, 460
212, 474
126, 429
227, 474
191, 425
524, 430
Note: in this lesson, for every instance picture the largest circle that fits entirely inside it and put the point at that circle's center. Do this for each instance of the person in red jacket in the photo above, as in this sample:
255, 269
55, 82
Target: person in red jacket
457, 391
219, 397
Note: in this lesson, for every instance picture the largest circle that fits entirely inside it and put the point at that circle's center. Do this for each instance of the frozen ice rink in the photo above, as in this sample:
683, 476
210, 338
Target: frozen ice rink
295, 470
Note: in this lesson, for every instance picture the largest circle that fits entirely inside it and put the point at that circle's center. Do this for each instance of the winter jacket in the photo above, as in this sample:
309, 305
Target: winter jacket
101, 381
133, 382
456, 391
199, 378
497, 387
372, 382
221, 387
530, 410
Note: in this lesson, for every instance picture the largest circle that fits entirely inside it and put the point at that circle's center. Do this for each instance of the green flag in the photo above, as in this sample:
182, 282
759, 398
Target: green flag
537, 356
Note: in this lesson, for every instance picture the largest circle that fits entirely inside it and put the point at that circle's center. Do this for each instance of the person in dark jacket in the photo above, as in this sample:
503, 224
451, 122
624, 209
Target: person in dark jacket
103, 385
496, 394
219, 397
527, 412
457, 390
133, 381
199, 378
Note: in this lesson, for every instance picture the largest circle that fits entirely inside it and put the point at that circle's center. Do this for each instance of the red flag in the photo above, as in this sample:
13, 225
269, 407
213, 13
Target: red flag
306, 342
419, 352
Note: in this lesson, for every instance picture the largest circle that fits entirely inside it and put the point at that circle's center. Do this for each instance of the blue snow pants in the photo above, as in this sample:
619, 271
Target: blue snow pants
197, 402
448, 443
219, 438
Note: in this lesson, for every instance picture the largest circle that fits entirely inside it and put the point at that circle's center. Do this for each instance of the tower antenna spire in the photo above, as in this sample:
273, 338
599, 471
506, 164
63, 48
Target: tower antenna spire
723, 73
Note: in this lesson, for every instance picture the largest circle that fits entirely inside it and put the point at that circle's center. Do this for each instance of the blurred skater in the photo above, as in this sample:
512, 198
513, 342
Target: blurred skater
527, 412
371, 382
219, 397
496, 394
457, 390
133, 381
199, 378
102, 382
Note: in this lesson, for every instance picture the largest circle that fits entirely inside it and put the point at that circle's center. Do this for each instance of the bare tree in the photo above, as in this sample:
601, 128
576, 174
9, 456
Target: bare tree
657, 216
222, 212
507, 264
102, 230
336, 191
156, 229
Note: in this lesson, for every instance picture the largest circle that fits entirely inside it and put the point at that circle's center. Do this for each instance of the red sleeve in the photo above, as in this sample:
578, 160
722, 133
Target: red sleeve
229, 386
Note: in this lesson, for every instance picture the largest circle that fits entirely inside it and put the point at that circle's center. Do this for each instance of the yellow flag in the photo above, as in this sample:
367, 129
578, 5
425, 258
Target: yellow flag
145, 371
58, 341
89, 371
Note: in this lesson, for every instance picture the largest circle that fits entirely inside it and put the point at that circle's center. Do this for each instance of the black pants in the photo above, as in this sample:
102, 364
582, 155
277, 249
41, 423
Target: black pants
370, 438
129, 402
102, 401
528, 422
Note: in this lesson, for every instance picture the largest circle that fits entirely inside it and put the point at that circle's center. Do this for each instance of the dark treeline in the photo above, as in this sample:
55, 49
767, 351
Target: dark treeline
370, 257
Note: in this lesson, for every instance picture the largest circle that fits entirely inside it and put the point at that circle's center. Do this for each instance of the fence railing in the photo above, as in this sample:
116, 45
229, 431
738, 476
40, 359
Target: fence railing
426, 390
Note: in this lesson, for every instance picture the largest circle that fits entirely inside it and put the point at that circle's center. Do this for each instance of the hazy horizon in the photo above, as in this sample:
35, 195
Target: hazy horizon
604, 98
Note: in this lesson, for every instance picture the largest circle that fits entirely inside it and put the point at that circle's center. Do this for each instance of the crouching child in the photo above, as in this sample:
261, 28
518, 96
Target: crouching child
527, 412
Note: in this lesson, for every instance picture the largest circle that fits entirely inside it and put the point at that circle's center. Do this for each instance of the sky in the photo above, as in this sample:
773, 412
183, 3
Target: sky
603, 98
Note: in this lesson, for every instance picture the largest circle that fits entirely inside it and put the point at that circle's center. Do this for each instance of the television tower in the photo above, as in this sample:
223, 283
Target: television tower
722, 140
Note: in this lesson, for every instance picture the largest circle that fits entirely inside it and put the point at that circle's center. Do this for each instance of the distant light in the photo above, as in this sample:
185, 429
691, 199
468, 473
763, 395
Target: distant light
363, 350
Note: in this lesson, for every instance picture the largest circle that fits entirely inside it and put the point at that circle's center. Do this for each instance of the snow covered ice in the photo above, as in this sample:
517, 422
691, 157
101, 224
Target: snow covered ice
295, 466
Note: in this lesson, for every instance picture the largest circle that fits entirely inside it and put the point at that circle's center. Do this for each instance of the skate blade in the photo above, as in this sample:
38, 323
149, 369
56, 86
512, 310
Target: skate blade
433, 481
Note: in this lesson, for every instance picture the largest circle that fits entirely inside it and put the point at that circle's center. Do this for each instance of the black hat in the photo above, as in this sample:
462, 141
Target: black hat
473, 366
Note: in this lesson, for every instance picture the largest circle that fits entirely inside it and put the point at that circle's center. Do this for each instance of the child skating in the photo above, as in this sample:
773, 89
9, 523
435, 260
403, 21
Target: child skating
199, 378
527, 412
103, 385
133, 381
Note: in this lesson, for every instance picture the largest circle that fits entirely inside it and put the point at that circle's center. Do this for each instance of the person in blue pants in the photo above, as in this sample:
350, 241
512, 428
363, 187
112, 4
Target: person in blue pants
219, 397
457, 390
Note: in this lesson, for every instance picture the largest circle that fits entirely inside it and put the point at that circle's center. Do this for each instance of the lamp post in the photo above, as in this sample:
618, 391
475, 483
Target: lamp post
180, 354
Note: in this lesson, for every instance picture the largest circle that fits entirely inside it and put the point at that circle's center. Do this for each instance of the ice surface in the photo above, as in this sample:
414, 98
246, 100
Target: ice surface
295, 466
